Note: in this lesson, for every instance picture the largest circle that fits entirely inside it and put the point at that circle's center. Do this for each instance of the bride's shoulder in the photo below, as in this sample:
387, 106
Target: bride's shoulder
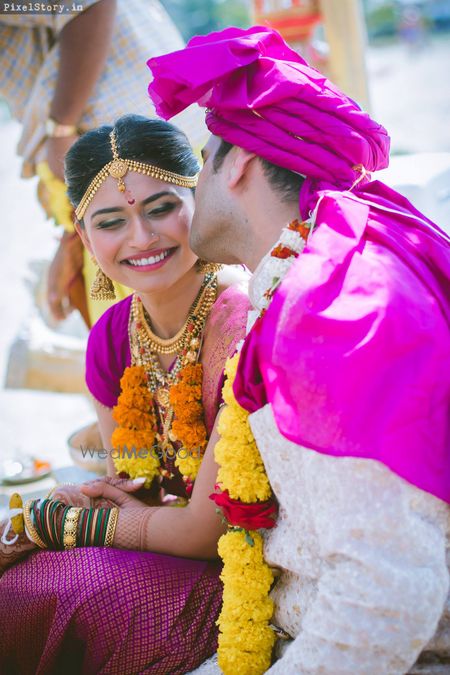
233, 282
111, 327
228, 316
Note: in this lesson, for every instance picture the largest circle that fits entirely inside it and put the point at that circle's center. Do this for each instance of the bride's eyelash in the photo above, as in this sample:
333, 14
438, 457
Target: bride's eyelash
106, 224
162, 208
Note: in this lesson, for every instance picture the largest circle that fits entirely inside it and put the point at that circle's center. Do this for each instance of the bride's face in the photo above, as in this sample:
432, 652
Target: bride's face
140, 237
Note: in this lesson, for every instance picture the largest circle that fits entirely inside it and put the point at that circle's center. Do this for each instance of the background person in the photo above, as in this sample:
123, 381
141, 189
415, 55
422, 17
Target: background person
64, 73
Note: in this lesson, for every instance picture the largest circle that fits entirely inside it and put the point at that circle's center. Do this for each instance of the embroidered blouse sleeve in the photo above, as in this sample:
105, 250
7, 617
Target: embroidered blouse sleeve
108, 353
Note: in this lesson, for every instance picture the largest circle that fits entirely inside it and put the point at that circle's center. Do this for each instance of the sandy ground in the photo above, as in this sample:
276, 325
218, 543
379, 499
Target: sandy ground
410, 96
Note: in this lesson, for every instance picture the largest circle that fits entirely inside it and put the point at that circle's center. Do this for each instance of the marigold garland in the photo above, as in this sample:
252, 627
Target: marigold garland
246, 639
134, 413
188, 426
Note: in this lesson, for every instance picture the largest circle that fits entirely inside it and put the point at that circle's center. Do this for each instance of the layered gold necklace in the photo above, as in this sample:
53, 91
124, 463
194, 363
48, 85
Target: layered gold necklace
186, 344
146, 347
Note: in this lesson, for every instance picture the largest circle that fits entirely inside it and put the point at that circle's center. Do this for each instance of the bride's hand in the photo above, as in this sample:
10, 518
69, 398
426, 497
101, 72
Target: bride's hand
70, 495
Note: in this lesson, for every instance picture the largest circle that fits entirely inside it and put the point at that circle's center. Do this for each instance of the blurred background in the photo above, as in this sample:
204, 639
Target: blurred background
391, 56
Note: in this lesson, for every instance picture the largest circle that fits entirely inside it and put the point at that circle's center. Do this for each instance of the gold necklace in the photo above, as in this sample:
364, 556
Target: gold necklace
177, 343
143, 350
143, 353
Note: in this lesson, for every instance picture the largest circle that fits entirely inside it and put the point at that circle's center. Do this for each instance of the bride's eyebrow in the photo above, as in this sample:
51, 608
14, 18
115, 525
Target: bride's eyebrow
112, 209
157, 195
149, 200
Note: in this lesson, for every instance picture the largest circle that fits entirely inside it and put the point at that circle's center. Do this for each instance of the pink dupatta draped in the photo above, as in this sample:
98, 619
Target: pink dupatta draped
354, 351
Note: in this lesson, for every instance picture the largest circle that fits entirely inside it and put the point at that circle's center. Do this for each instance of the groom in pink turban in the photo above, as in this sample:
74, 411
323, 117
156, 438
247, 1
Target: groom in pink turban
345, 370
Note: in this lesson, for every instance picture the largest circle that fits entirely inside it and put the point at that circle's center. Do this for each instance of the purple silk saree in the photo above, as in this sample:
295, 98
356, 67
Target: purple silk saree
107, 611
115, 612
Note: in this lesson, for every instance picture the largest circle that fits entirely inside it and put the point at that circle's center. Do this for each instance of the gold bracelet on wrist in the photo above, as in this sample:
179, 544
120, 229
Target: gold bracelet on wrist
70, 527
35, 538
111, 528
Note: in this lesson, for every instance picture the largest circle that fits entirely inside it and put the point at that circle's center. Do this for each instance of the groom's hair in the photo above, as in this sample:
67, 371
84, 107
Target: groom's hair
285, 182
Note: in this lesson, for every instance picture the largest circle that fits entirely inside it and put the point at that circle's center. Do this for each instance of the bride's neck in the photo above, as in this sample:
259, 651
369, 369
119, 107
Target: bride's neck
168, 309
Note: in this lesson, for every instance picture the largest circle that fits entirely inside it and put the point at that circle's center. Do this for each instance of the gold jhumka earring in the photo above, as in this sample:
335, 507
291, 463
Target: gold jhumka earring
102, 287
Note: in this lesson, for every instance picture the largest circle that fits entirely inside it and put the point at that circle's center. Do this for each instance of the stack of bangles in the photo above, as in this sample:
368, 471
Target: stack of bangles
54, 525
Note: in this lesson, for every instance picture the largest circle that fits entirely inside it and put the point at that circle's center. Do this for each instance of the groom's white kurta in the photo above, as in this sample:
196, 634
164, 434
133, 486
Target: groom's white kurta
363, 554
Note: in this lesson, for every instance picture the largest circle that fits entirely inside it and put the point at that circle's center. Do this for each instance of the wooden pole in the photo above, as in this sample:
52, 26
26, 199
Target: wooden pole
345, 32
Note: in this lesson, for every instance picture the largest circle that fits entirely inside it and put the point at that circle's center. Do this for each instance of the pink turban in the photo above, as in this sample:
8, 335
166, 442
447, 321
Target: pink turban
262, 96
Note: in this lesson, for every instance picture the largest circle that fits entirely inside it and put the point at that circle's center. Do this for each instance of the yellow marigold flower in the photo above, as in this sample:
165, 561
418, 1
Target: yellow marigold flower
235, 662
188, 466
139, 468
245, 639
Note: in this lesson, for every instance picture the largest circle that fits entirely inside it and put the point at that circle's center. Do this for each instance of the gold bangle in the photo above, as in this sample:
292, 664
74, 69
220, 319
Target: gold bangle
70, 527
29, 525
111, 528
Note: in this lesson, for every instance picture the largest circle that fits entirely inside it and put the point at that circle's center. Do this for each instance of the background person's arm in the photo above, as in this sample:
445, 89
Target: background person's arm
83, 45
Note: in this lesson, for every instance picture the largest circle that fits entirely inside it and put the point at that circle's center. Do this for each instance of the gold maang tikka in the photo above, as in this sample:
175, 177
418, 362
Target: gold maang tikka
119, 167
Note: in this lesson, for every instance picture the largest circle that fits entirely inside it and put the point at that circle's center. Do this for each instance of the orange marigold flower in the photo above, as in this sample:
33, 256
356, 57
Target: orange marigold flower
189, 413
192, 373
129, 438
133, 376
132, 418
303, 228
136, 398
283, 252
191, 435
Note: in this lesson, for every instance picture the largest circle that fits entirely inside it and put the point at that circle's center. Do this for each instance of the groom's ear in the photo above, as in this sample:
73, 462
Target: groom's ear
238, 164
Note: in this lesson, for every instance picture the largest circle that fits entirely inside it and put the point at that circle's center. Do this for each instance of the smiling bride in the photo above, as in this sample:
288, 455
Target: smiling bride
121, 585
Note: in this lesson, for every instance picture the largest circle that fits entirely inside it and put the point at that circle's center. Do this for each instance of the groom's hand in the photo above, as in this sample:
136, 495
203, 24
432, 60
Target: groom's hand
116, 490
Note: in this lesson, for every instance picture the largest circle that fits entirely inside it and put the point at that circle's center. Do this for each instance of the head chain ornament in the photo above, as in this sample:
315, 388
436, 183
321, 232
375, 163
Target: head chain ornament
118, 168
